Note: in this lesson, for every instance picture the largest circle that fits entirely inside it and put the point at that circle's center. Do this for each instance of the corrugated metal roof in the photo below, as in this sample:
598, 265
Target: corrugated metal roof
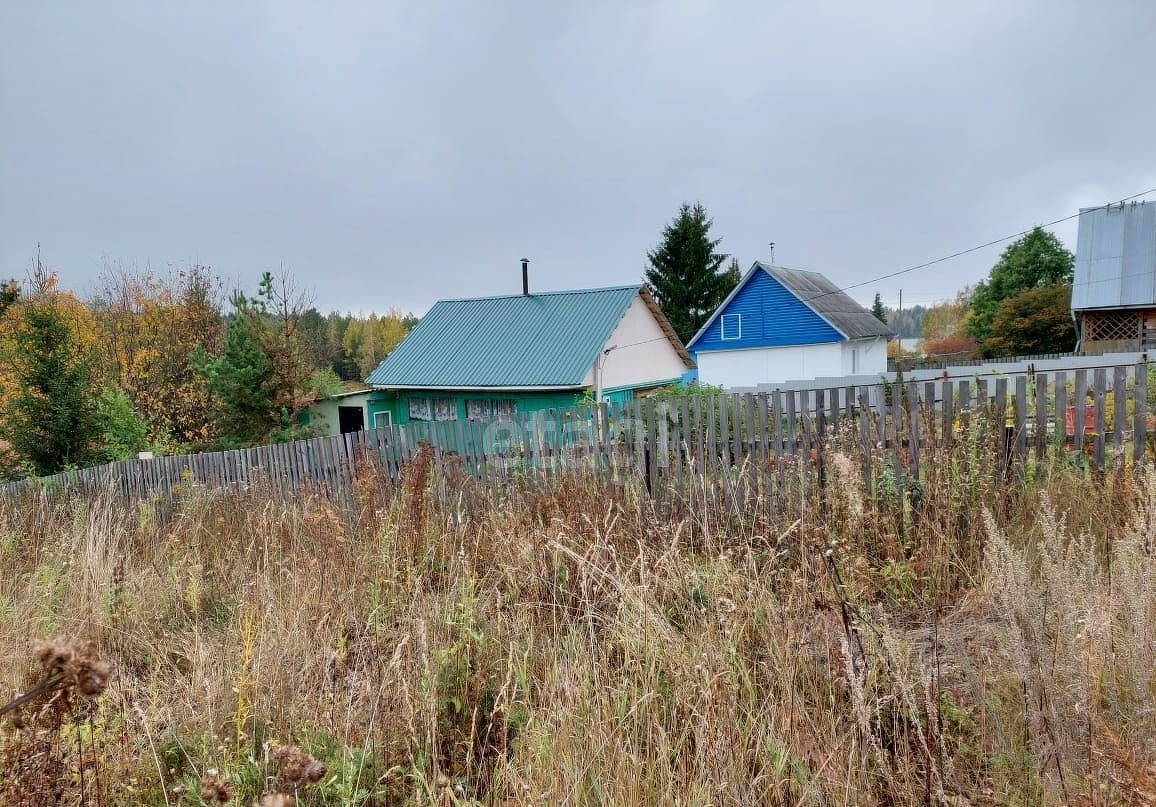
539, 340
1116, 257
825, 298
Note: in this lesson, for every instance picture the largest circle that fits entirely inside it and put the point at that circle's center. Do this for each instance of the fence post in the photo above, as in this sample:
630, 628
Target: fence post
1041, 430
1140, 412
913, 425
1005, 439
1120, 412
1099, 392
1080, 407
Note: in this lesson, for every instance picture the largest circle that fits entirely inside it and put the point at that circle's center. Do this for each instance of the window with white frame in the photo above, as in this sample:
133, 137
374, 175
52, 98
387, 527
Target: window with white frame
479, 410
488, 410
854, 361
504, 409
732, 326
420, 409
382, 419
445, 409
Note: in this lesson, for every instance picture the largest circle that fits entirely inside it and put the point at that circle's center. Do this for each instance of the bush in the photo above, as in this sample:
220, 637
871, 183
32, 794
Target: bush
124, 431
1034, 321
956, 347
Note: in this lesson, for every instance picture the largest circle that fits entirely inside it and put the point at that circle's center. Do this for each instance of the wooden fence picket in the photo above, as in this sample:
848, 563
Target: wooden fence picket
1140, 412
1120, 411
1099, 397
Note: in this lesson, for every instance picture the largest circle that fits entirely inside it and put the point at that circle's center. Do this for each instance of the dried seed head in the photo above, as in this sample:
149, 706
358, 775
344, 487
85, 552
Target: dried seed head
77, 664
93, 677
276, 800
315, 771
297, 766
55, 654
215, 790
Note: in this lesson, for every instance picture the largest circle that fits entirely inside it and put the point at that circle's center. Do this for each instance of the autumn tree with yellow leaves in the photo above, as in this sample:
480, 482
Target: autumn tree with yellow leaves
150, 325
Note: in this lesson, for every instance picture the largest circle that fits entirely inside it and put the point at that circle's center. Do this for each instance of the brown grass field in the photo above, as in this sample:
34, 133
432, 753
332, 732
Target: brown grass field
949, 641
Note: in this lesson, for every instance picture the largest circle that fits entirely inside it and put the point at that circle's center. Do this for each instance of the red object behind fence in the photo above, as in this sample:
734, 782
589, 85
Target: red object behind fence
1089, 419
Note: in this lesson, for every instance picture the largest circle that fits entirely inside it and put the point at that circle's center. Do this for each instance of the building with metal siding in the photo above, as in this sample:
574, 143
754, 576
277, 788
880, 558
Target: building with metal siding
784, 324
491, 358
1114, 283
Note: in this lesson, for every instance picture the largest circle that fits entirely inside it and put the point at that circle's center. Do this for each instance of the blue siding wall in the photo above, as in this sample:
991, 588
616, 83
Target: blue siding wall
771, 316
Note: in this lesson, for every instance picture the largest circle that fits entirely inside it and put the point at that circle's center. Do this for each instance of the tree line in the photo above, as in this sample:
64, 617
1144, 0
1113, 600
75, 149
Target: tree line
169, 363
1022, 308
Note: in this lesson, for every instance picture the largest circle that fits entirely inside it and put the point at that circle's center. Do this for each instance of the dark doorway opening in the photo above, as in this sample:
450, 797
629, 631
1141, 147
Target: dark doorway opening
350, 419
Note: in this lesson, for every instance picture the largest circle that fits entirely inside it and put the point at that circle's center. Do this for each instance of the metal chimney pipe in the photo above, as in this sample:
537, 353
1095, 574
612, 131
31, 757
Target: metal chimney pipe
525, 277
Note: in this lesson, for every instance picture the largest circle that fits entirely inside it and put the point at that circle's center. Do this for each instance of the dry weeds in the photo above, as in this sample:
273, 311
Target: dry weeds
944, 642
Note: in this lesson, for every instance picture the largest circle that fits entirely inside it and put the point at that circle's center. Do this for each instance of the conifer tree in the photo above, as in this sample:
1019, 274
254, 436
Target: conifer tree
51, 422
686, 274
878, 310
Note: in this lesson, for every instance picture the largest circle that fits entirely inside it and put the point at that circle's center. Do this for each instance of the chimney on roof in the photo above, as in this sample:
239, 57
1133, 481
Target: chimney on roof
525, 277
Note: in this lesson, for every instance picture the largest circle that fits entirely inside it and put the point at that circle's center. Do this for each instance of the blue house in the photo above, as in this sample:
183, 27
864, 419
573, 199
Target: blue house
784, 324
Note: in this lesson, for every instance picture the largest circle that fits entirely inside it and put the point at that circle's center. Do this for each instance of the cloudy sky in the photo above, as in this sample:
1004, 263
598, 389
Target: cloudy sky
395, 153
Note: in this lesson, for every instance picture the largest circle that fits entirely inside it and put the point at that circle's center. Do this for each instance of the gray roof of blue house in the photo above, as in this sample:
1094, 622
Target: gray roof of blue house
517, 341
830, 302
1116, 257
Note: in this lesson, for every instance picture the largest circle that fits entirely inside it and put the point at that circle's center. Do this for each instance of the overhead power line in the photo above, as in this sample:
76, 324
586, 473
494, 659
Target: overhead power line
962, 252
936, 261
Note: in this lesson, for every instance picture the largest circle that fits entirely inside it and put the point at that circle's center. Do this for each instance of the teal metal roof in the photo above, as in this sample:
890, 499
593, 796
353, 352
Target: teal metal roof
537, 340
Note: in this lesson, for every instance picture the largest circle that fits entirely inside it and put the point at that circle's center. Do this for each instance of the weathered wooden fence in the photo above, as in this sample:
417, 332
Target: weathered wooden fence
1099, 417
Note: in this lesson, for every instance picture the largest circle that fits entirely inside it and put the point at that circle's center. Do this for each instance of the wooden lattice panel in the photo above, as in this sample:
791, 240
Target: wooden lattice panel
1111, 326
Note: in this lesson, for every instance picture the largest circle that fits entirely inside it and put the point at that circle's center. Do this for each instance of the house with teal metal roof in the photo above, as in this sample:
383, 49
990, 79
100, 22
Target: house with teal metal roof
783, 324
490, 358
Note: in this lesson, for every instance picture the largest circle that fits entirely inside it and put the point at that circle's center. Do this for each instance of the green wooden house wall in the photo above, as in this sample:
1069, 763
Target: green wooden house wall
396, 403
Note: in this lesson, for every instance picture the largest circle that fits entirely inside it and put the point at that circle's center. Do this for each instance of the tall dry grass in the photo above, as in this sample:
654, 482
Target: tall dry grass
951, 641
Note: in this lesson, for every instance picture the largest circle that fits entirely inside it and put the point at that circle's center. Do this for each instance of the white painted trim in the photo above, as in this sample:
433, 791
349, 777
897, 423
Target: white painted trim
723, 328
706, 351
345, 394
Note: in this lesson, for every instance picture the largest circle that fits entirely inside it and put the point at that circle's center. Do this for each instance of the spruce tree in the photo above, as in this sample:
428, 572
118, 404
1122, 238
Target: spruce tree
51, 422
241, 379
878, 310
686, 274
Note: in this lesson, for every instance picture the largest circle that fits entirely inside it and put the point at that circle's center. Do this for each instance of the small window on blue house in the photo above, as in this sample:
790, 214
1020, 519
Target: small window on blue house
732, 326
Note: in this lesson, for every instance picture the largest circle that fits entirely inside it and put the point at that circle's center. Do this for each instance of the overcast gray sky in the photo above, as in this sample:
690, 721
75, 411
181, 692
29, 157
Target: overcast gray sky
395, 153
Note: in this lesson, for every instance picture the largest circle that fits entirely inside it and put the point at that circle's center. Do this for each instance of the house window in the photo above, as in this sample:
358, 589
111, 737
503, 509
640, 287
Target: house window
420, 409
382, 420
479, 410
732, 326
445, 409
486, 411
854, 361
504, 410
